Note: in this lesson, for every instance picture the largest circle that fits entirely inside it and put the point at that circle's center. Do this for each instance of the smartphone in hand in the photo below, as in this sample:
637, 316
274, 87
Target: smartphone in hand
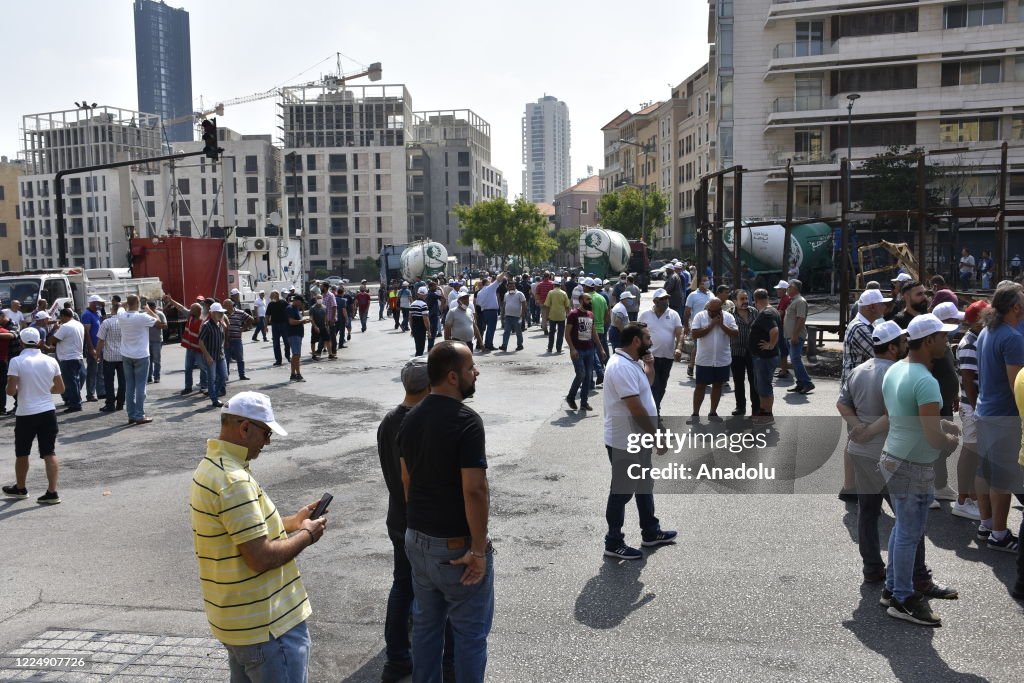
322, 506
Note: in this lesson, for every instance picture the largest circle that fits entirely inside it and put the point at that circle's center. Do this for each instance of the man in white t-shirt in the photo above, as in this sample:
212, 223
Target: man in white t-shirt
695, 303
666, 334
712, 329
34, 377
68, 341
15, 314
135, 326
260, 307
629, 410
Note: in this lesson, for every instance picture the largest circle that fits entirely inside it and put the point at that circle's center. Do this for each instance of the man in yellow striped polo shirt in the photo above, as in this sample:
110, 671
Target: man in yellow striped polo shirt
252, 591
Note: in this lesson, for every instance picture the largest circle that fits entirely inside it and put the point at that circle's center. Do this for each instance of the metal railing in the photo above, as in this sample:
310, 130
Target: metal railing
803, 103
815, 157
803, 48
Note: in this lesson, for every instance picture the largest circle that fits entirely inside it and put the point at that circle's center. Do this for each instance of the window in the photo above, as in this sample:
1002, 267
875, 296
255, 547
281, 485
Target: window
376, 161
183, 185
972, 73
973, 14
311, 203
310, 162
464, 197
808, 199
337, 162
882, 78
314, 247
150, 188
1018, 62
584, 207
463, 158
810, 38
3, 230
969, 130
311, 225
356, 204
252, 185
380, 224
251, 206
338, 183
311, 183
1017, 128
876, 134
251, 163
293, 163
378, 203
725, 47
376, 182
463, 178
807, 145
874, 23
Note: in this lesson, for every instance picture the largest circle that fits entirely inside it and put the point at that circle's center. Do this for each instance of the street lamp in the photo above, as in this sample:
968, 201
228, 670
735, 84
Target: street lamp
852, 97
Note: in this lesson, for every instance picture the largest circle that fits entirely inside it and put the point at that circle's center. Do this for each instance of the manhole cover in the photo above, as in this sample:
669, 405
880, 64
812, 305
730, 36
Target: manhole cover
73, 656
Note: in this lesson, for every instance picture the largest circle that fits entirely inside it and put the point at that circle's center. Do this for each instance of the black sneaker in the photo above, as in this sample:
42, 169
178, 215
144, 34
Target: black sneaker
1007, 545
739, 411
661, 538
795, 389
689, 372
1018, 591
886, 598
983, 532
571, 402
623, 552
807, 388
107, 409
243, 378
49, 498
396, 671
300, 378
217, 404
14, 492
938, 592
72, 409
914, 609
185, 392
585, 406
277, 364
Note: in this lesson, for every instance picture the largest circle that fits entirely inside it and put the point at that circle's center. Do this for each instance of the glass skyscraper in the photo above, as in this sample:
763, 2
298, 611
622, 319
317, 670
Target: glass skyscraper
163, 64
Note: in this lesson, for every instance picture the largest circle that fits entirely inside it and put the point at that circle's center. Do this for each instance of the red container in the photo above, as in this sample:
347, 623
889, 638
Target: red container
187, 266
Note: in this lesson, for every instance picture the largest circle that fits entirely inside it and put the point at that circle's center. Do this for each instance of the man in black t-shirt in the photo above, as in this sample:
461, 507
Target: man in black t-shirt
763, 344
277, 317
444, 472
296, 319
399, 609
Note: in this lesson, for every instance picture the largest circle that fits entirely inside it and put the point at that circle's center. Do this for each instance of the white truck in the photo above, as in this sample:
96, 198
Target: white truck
71, 284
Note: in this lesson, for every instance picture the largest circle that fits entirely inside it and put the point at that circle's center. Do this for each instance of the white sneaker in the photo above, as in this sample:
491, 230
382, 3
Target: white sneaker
967, 510
946, 493
934, 505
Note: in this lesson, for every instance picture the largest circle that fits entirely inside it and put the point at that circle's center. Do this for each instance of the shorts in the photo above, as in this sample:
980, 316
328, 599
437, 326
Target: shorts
998, 452
969, 433
708, 374
295, 344
28, 428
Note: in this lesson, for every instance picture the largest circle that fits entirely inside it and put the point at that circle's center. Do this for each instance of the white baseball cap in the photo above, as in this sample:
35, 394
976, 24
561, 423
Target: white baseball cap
253, 405
29, 335
659, 293
42, 315
627, 295
235, 290
463, 292
947, 311
927, 324
902, 277
422, 290
263, 291
598, 282
588, 282
872, 296
216, 308
96, 299
782, 285
886, 331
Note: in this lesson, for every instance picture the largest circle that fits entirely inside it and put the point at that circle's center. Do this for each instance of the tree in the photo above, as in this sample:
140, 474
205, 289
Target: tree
890, 184
568, 243
623, 211
502, 230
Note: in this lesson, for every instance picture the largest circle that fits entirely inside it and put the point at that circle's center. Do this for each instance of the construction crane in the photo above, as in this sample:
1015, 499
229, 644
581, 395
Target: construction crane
333, 81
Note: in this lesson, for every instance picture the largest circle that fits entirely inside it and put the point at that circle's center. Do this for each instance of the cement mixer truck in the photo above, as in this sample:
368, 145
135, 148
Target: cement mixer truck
761, 247
606, 253
423, 259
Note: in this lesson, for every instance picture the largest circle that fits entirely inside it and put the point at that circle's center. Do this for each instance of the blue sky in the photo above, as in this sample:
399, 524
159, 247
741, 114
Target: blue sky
599, 57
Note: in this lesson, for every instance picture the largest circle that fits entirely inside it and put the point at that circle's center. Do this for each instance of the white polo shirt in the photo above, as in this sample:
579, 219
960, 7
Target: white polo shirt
663, 331
624, 377
71, 339
713, 349
135, 334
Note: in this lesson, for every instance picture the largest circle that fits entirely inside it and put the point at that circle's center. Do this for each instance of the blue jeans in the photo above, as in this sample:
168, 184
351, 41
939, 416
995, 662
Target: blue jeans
911, 491
279, 660
261, 326
796, 359
194, 359
435, 325
584, 365
764, 375
280, 334
234, 352
217, 377
396, 621
512, 324
615, 512
135, 372
489, 318
92, 374
155, 348
70, 371
439, 595
598, 364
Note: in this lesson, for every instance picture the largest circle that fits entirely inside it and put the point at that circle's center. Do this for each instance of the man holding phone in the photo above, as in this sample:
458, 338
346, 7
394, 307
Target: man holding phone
254, 598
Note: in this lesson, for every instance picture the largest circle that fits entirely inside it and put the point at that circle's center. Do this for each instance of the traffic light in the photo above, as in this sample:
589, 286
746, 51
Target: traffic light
210, 138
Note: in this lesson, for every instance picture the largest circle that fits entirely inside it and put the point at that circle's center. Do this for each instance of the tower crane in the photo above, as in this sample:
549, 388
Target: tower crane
373, 72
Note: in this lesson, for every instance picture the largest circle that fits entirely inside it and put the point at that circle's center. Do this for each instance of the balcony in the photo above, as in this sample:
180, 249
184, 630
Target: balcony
815, 157
803, 103
796, 50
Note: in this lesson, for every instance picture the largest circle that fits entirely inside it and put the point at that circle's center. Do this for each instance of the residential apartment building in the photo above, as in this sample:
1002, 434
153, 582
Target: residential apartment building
193, 198
935, 74
611, 175
163, 64
577, 206
10, 215
694, 152
98, 205
546, 141
449, 163
344, 172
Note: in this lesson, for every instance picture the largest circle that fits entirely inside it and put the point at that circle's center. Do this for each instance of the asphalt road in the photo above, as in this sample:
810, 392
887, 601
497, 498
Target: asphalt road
760, 586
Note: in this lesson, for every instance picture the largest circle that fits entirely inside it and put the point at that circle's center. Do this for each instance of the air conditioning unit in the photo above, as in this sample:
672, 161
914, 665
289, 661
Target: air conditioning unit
243, 245
259, 244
